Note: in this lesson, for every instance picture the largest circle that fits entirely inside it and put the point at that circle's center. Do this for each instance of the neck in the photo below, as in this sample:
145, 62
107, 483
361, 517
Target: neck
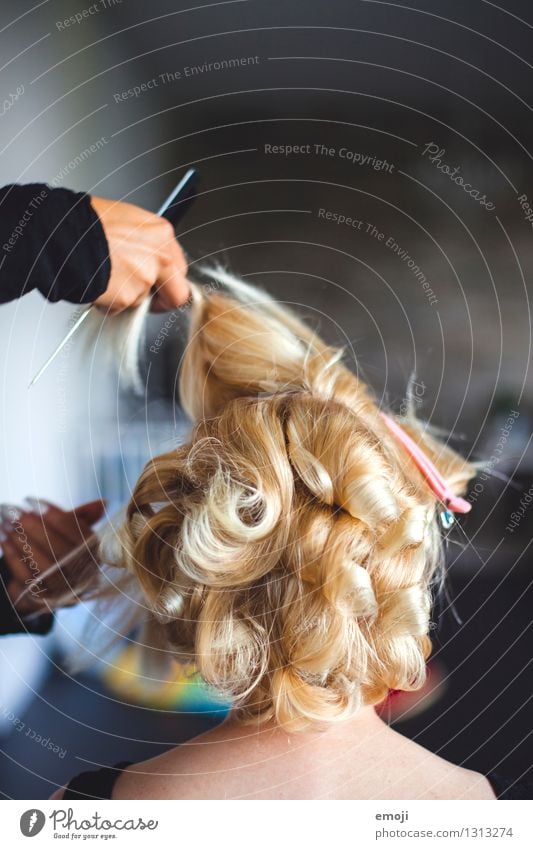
360, 728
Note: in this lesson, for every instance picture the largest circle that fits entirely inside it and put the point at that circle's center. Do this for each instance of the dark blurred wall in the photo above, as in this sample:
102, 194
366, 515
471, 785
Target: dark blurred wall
375, 80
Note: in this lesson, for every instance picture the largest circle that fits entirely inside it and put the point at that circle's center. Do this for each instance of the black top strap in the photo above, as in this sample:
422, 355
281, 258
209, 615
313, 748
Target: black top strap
506, 788
95, 784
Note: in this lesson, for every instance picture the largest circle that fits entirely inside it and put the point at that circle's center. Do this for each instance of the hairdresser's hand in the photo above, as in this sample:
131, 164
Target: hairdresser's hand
33, 541
144, 255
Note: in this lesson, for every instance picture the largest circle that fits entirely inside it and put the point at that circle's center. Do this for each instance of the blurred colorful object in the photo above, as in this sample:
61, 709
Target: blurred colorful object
401, 705
186, 692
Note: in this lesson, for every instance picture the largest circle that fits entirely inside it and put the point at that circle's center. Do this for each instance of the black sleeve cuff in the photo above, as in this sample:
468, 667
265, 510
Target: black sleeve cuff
51, 240
11, 622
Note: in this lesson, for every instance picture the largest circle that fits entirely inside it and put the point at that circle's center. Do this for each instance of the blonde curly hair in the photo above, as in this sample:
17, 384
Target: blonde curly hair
288, 548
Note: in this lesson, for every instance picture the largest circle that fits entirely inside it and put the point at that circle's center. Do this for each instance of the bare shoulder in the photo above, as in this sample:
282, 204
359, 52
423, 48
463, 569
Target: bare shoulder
428, 776
476, 785
226, 763
157, 778
194, 770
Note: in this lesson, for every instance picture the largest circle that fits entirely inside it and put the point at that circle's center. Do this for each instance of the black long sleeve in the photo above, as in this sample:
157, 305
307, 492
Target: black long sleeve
12, 622
51, 240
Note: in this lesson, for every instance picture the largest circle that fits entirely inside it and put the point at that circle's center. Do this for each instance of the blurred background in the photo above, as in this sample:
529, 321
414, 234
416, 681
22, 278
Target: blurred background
330, 139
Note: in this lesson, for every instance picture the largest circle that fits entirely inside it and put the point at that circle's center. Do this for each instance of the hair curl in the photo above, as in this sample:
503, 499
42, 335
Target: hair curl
288, 548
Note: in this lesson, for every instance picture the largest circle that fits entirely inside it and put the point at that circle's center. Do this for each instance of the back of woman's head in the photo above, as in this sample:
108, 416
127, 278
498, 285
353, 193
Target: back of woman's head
288, 548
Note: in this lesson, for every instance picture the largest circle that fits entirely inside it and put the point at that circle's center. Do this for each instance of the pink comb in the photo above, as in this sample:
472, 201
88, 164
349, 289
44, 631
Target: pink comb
429, 470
